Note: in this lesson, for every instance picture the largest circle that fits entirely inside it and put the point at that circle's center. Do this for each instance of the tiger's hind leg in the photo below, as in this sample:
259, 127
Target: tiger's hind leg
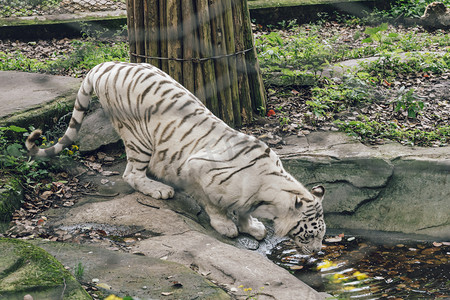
136, 175
252, 226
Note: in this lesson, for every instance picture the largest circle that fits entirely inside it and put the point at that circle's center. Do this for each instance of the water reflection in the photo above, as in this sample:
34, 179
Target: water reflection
351, 267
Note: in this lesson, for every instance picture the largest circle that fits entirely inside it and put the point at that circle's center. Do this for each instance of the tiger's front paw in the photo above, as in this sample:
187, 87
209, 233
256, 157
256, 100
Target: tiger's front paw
152, 188
253, 227
161, 192
225, 227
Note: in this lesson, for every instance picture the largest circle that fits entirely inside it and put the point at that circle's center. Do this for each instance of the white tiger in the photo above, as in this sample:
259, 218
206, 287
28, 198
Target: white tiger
170, 134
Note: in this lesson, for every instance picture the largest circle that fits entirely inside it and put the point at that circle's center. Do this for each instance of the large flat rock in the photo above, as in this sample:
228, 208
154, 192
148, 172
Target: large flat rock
20, 91
141, 277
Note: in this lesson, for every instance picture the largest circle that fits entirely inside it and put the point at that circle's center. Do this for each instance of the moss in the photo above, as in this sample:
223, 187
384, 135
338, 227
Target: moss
44, 115
11, 196
33, 270
255, 4
25, 21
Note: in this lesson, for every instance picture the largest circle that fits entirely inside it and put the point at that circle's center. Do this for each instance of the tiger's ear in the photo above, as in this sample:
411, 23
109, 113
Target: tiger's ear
318, 191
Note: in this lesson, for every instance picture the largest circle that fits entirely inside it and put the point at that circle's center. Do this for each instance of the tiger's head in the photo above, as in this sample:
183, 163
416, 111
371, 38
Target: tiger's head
304, 223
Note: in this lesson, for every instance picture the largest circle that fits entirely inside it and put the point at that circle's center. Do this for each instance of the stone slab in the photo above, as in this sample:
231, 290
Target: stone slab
20, 91
138, 276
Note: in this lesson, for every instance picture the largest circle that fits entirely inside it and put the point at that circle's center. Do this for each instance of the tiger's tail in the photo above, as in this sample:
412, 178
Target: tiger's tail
79, 111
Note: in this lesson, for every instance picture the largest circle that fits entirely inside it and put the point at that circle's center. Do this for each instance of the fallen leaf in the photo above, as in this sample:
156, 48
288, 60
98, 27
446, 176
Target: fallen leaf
45, 195
104, 286
334, 239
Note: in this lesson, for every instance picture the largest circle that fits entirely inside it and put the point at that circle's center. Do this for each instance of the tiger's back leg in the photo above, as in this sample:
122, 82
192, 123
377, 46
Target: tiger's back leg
136, 176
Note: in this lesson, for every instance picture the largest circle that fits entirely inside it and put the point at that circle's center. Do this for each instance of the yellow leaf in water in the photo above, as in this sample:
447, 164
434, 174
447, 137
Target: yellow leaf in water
338, 278
325, 264
359, 275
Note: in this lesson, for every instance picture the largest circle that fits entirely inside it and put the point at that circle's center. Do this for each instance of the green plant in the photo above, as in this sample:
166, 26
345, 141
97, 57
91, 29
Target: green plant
79, 271
407, 101
375, 35
373, 131
332, 98
404, 8
14, 160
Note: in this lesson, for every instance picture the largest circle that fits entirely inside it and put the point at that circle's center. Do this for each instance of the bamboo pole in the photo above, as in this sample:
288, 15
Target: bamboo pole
151, 31
189, 43
221, 64
174, 38
131, 32
139, 29
244, 88
204, 31
255, 80
163, 34
229, 35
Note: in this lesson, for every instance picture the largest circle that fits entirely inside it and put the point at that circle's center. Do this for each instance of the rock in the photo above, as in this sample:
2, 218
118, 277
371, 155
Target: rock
30, 271
124, 273
96, 125
387, 188
436, 16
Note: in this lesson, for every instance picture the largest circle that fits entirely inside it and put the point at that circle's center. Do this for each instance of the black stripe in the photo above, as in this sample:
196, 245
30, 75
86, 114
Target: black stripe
160, 84
162, 154
163, 140
214, 177
168, 107
186, 104
166, 92
237, 171
185, 118
205, 135
262, 156
157, 105
184, 147
74, 124
192, 128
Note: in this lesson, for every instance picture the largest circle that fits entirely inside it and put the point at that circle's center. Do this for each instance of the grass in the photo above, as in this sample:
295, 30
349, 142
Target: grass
86, 55
405, 8
302, 51
373, 131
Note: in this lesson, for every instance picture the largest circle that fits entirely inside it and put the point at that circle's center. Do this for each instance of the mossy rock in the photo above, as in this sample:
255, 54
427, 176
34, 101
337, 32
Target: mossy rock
28, 269
11, 196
